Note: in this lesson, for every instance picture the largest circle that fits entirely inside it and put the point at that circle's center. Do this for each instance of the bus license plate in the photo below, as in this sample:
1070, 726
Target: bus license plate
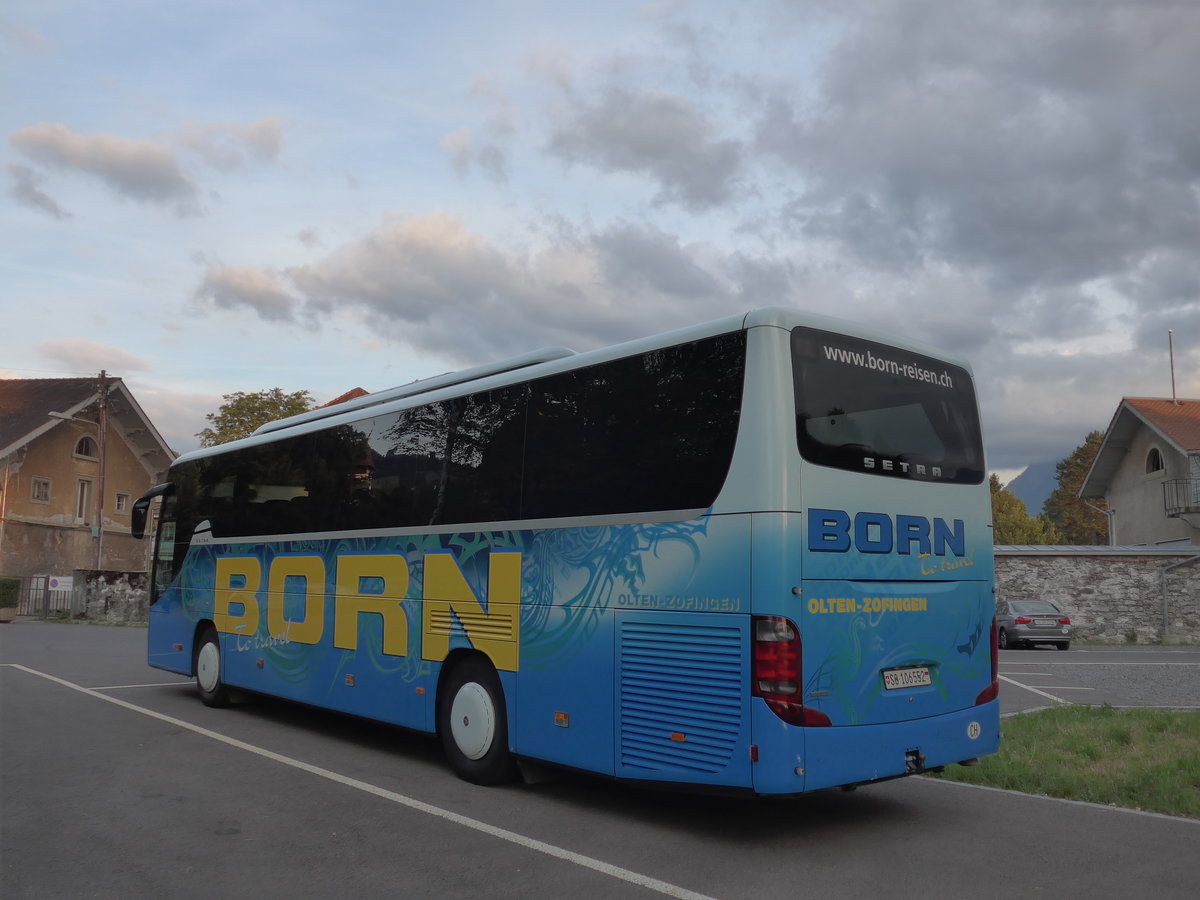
916, 676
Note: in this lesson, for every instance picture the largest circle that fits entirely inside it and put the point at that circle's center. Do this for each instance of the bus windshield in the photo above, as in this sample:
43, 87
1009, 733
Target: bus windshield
867, 407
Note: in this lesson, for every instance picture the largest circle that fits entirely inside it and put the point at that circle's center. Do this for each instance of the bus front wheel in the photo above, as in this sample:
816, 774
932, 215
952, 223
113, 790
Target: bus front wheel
208, 670
473, 725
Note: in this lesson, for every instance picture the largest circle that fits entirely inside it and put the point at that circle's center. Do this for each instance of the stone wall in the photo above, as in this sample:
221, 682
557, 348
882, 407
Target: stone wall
1113, 595
111, 597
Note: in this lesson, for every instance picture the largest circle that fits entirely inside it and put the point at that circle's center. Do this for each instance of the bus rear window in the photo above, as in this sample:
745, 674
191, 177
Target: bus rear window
868, 407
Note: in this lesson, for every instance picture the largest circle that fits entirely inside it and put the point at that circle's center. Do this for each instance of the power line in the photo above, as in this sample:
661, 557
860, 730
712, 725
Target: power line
49, 372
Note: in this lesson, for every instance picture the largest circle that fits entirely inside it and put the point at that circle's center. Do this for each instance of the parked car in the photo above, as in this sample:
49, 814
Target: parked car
1029, 622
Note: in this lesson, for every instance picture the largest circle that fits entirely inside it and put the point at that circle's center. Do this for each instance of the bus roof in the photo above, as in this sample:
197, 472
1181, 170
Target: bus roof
548, 361
422, 386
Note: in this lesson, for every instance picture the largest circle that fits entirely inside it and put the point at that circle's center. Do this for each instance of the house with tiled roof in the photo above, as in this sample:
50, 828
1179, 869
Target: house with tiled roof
1148, 472
352, 394
74, 455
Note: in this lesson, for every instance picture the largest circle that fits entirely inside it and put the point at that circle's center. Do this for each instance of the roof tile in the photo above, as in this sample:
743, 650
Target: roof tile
25, 402
1179, 420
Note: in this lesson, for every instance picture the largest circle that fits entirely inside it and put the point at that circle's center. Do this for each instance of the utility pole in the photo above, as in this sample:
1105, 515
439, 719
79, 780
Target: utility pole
101, 446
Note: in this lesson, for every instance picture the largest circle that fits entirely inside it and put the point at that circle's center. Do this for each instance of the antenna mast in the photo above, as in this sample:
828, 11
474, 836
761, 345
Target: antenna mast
1171, 350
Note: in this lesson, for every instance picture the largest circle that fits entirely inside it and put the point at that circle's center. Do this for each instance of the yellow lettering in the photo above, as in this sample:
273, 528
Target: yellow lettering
237, 581
350, 600
448, 598
312, 569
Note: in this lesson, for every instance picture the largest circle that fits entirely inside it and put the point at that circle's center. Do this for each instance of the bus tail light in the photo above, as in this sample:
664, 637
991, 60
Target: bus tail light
776, 671
992, 691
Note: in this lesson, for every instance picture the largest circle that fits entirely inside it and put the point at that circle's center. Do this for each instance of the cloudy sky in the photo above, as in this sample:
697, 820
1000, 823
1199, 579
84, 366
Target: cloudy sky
219, 196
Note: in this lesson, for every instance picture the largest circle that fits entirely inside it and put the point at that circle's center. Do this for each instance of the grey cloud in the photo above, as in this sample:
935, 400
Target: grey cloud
862, 224
309, 237
89, 356
675, 283
138, 170
947, 310
26, 190
637, 258
698, 47
1042, 144
457, 145
1165, 280
971, 174
430, 283
1056, 314
409, 269
555, 65
1164, 291
1150, 337
1039, 406
464, 154
259, 290
227, 147
493, 163
763, 281
500, 120
653, 133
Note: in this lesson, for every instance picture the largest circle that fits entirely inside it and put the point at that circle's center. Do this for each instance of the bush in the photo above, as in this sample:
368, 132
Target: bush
10, 592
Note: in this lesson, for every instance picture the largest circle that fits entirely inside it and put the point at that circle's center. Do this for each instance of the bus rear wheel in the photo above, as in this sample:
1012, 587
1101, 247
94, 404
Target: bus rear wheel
473, 724
207, 665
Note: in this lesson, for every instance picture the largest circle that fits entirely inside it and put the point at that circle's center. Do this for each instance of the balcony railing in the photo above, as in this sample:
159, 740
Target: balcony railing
1181, 496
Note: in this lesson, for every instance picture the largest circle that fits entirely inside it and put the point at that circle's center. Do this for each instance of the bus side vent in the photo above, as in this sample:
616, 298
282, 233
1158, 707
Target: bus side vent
681, 696
478, 625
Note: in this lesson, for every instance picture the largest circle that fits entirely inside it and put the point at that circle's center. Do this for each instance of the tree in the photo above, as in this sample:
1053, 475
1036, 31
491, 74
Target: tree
241, 413
1076, 522
1012, 524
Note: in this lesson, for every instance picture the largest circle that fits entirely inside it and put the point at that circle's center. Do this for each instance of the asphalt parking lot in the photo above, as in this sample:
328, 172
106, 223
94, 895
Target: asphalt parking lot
117, 782
1094, 675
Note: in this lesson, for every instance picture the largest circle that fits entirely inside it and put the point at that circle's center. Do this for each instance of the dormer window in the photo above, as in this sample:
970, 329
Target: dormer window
86, 448
1154, 461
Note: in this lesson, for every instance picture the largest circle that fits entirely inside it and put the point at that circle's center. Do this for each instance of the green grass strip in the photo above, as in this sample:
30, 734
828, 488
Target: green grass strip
1147, 759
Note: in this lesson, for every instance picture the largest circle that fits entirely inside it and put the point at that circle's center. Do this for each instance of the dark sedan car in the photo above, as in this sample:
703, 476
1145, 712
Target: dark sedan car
1029, 622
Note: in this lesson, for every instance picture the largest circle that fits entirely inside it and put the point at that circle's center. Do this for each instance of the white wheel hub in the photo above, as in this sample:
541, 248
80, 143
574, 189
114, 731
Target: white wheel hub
473, 720
208, 667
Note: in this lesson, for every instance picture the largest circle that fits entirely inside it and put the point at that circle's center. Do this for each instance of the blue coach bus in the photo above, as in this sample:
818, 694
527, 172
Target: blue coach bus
754, 554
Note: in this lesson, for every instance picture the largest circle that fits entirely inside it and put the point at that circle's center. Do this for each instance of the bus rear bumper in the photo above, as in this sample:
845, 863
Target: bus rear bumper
810, 758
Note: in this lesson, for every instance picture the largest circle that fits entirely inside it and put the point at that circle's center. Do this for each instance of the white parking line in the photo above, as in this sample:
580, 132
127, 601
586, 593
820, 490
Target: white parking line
1101, 649
121, 687
1060, 687
1076, 662
1103, 807
1032, 690
503, 834
1045, 687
